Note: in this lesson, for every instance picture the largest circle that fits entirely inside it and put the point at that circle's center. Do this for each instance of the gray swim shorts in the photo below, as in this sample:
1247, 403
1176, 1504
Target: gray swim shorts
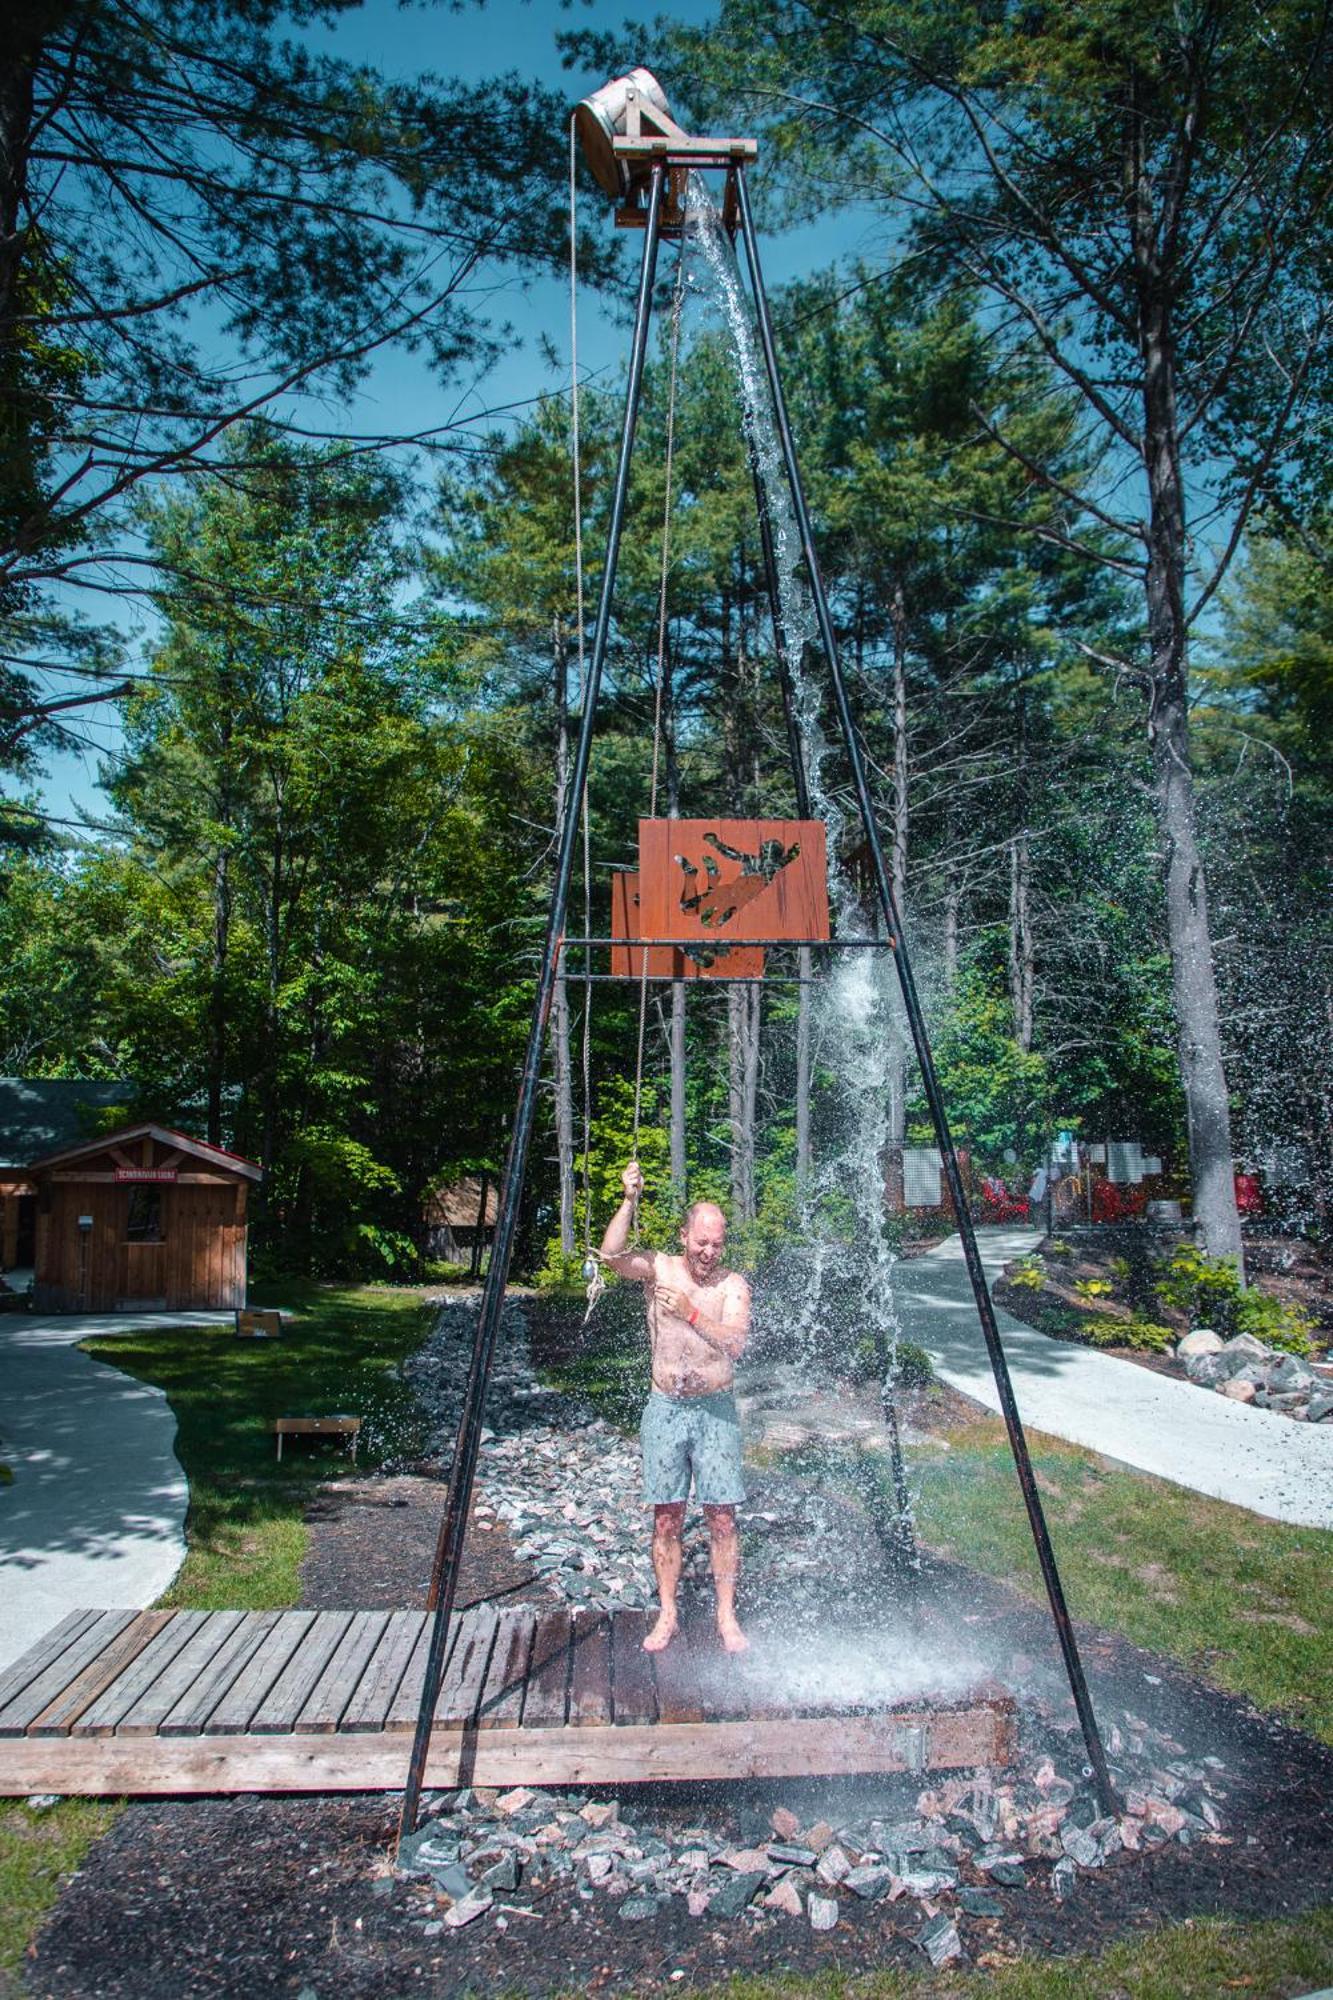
681, 1435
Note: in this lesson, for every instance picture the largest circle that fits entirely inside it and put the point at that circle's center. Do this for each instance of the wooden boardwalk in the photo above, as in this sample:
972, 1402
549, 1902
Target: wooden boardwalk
119, 1702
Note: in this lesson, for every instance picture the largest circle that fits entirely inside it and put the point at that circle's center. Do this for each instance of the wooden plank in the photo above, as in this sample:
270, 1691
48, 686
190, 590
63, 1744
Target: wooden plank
548, 1672
241, 1701
59, 1716
633, 1685
718, 1675
832, 1746
406, 1704
193, 1659
590, 1669
65, 1663
465, 1672
370, 1705
21, 1673
338, 1682
104, 1716
679, 1696
199, 1700
289, 1693
501, 1704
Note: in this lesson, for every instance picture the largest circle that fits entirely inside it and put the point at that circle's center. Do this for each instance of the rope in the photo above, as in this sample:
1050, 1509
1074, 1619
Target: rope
576, 455
661, 664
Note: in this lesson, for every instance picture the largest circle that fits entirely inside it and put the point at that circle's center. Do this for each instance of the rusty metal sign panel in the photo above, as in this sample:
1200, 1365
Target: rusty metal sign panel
733, 881
702, 961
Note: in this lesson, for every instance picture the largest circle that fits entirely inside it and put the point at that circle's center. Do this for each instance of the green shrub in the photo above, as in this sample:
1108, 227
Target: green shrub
1209, 1290
1092, 1289
1027, 1273
1057, 1247
1287, 1327
1148, 1334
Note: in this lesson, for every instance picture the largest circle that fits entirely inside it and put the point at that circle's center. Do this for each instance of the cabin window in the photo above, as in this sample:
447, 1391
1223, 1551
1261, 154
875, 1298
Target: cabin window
145, 1217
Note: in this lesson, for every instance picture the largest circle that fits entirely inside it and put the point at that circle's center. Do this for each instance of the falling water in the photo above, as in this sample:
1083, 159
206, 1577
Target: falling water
836, 1288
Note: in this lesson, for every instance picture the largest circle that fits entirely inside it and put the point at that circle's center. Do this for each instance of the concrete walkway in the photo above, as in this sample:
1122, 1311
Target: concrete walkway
95, 1514
1253, 1458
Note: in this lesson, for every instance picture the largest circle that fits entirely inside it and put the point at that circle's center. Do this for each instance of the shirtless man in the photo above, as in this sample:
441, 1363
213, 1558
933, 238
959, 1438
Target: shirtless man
698, 1324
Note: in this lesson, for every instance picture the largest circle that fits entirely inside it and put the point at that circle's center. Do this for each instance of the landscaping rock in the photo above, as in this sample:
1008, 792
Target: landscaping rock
791, 1857
870, 1882
979, 1903
635, 1909
940, 1941
784, 1896
468, 1908
1009, 1874
1201, 1341
822, 1912
1246, 1344
1320, 1407
785, 1824
1239, 1389
735, 1894
1289, 1373
1064, 1878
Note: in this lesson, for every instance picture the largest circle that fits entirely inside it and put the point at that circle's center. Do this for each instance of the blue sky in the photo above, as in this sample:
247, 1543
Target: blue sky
475, 42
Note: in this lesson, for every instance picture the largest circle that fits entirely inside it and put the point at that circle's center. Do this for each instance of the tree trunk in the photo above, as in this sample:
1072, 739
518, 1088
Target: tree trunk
564, 1089
217, 996
1021, 960
1193, 981
896, 1133
743, 1080
951, 932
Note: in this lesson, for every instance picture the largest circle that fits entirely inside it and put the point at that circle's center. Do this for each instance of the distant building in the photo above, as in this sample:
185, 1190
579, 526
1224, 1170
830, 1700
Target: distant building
460, 1219
141, 1219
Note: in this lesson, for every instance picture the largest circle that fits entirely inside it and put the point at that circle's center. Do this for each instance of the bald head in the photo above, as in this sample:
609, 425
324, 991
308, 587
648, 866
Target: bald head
703, 1238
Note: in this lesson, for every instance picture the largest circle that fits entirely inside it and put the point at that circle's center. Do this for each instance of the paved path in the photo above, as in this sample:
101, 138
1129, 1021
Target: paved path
96, 1511
1254, 1458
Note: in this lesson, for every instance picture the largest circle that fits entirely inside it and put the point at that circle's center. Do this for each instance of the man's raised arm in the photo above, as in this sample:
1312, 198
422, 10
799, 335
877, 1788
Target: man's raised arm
615, 1252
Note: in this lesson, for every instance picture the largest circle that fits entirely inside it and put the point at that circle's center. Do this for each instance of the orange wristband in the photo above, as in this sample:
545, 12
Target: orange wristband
693, 1315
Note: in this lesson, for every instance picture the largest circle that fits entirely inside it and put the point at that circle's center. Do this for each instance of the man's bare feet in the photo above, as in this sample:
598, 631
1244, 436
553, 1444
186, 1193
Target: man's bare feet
662, 1633
732, 1637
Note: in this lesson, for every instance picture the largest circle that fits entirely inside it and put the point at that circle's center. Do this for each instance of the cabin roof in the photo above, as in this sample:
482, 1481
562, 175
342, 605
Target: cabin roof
199, 1149
457, 1205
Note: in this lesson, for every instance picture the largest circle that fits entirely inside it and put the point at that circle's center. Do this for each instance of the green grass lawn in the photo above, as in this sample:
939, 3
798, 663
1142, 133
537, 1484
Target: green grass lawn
1244, 1602
245, 1529
1204, 1960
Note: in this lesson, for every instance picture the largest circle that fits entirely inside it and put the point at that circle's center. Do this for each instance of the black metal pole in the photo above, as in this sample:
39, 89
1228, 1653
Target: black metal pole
920, 1038
450, 1545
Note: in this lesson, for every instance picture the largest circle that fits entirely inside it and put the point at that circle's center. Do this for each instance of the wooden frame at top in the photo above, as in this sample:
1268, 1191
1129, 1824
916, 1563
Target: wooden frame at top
733, 881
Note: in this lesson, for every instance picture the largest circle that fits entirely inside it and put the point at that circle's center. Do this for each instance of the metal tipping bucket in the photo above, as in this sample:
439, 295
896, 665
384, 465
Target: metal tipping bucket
601, 118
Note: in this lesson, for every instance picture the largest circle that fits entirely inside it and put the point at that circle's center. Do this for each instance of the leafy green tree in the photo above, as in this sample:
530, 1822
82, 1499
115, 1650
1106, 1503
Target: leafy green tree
1140, 195
204, 217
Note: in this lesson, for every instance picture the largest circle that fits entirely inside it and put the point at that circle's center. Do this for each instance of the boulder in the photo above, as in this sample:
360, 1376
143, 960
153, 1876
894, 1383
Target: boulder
940, 1941
1288, 1374
1240, 1389
822, 1912
1201, 1341
1321, 1407
1246, 1345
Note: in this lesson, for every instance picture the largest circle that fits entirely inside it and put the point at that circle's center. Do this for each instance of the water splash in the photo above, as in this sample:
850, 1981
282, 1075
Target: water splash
836, 1290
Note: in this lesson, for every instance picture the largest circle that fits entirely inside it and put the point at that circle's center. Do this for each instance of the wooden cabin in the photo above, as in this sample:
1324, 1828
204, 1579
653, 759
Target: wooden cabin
141, 1219
460, 1219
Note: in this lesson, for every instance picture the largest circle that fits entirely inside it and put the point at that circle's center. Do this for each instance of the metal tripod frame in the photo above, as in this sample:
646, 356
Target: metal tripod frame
462, 1475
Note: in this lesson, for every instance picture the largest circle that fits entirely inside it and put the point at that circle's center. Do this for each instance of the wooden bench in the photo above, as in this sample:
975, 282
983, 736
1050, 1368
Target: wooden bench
337, 1426
258, 1325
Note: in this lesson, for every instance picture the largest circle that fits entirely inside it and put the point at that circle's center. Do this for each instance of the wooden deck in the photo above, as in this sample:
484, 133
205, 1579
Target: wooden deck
116, 1702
